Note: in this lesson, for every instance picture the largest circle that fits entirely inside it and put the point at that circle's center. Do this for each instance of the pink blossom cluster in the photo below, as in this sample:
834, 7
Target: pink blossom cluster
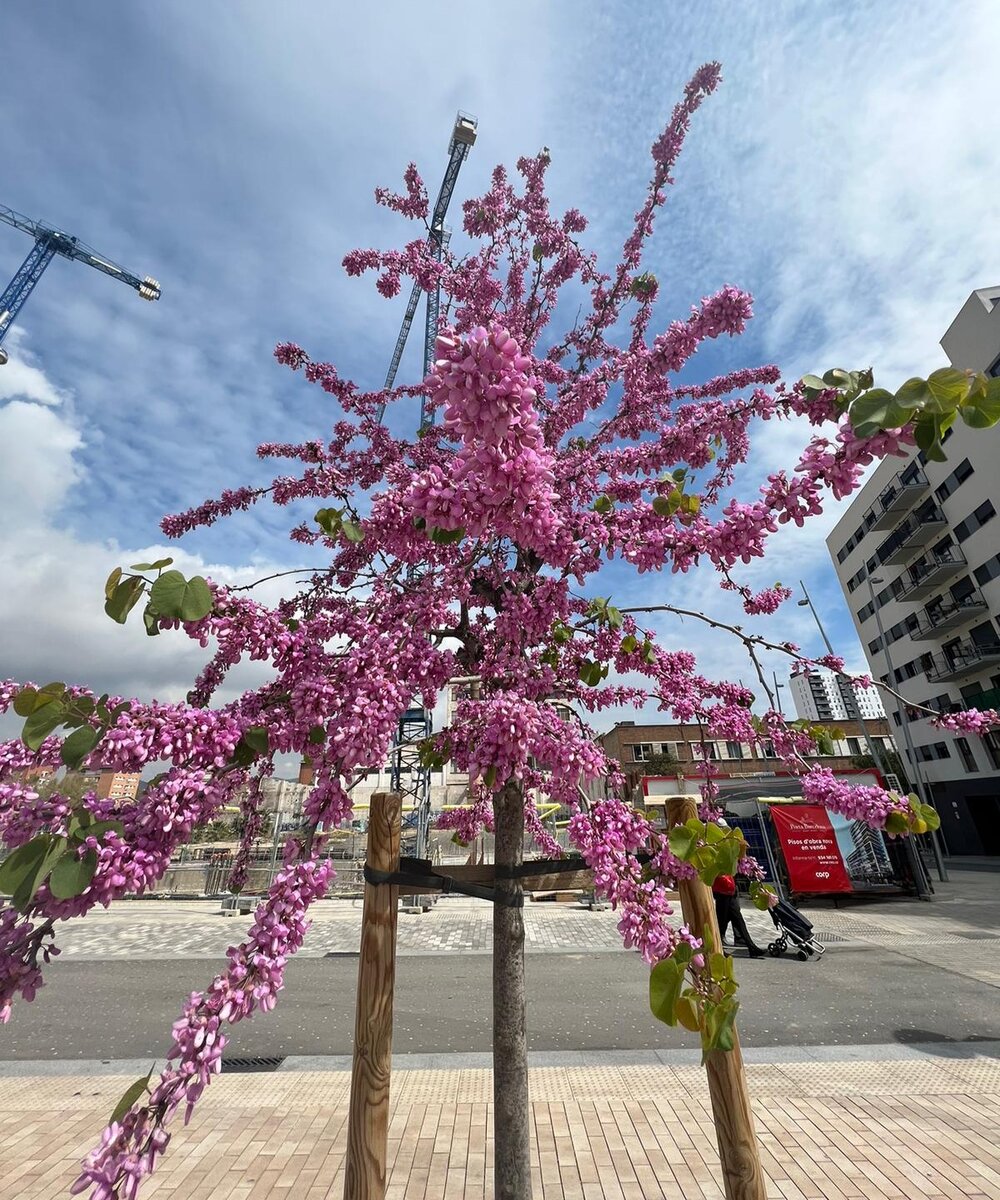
501, 479
21, 942
856, 802
130, 1147
970, 720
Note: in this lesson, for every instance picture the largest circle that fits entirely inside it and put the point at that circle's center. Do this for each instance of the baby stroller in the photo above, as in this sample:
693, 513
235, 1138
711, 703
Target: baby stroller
793, 927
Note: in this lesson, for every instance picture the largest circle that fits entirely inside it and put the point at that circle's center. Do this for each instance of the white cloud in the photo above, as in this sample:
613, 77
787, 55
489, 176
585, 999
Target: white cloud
22, 377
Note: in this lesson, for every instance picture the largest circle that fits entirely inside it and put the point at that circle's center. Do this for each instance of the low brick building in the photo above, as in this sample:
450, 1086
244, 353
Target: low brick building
645, 750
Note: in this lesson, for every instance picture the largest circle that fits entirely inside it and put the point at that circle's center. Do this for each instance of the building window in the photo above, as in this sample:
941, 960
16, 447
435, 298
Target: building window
642, 752
992, 743
934, 751
767, 749
734, 749
965, 750
854, 745
975, 520
955, 480
866, 612
989, 570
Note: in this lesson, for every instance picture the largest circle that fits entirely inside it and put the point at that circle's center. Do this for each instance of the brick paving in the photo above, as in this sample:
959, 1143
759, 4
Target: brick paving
891, 1129
964, 940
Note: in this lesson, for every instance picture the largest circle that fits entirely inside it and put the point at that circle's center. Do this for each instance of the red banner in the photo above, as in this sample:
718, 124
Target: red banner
810, 847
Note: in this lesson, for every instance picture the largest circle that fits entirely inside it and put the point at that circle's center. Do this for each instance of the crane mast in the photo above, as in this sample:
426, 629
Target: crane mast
48, 243
408, 774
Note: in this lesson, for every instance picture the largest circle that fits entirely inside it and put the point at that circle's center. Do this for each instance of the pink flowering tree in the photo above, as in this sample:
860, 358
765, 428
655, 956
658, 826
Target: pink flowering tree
470, 551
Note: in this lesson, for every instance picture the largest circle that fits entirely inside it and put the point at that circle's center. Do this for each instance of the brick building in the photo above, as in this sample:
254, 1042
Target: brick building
635, 746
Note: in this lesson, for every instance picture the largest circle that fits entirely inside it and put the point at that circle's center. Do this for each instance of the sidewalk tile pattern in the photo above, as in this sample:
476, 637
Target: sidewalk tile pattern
827, 1131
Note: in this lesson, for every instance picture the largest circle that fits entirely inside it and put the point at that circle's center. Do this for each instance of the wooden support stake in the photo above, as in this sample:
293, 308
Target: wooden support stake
743, 1177
368, 1121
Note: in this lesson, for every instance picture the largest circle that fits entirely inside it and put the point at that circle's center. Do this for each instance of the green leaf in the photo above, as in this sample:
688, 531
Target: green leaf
99, 828
930, 815
728, 855
153, 566
351, 531
40, 724
665, 982
629, 645
129, 1097
913, 394
877, 410
447, 537
292, 625
72, 875
180, 599
981, 409
39, 857
813, 383
21, 862
666, 506
112, 583
490, 778
682, 841
948, 386
614, 617
328, 519
78, 745
124, 598
317, 735
256, 738
537, 253
896, 823
29, 699
687, 1013
721, 1026
150, 621
603, 504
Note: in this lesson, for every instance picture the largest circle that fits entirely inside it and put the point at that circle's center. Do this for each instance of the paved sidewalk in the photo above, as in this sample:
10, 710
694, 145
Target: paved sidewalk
848, 1123
959, 931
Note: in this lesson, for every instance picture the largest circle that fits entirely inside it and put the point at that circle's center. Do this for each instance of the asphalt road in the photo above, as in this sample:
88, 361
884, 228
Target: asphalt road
594, 1001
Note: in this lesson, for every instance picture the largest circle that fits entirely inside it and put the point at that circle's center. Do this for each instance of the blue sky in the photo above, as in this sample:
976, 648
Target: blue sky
844, 174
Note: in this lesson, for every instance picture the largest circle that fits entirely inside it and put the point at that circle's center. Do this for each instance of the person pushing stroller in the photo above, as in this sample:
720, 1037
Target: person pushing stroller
727, 912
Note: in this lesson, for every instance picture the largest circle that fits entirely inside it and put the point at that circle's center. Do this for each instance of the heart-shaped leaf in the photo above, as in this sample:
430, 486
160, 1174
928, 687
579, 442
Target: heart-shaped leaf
72, 874
78, 745
181, 599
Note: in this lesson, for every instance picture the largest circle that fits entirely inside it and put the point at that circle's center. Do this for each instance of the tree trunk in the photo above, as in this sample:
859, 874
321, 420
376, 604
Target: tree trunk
511, 1153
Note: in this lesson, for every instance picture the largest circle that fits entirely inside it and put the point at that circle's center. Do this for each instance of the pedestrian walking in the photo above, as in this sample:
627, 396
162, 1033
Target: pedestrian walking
727, 912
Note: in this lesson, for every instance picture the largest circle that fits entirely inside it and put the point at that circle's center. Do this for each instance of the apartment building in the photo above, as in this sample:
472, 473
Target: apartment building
114, 785
918, 557
823, 695
677, 750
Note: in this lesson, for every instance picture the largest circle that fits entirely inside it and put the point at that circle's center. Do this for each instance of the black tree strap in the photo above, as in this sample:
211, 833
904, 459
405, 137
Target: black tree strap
418, 872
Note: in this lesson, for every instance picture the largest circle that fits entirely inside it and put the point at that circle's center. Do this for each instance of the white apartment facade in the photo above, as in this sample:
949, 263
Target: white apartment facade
822, 695
918, 557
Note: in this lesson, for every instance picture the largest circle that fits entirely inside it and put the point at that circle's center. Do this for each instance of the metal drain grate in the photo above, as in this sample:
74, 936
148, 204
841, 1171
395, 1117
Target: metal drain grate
830, 937
260, 1063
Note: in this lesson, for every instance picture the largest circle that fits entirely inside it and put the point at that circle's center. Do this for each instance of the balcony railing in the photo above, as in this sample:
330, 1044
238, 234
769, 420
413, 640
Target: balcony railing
928, 573
917, 530
967, 658
904, 490
948, 616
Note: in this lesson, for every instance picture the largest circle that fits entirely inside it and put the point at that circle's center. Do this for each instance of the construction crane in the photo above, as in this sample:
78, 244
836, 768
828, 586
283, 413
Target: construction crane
48, 243
409, 775
463, 138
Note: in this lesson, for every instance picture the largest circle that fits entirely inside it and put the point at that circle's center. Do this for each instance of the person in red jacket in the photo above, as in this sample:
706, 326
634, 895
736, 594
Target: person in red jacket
727, 911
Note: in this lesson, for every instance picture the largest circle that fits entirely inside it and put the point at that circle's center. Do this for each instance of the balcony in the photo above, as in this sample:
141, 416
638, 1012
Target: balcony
917, 530
905, 489
948, 616
928, 573
967, 658
983, 701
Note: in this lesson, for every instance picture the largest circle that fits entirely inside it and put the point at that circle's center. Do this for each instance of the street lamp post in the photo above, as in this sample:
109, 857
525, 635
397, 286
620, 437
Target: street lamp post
854, 712
904, 721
